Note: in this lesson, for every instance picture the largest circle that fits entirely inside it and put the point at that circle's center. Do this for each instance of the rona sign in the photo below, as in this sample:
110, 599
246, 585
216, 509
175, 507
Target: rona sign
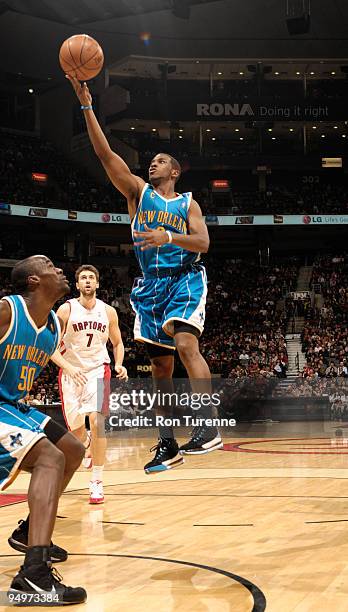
224, 110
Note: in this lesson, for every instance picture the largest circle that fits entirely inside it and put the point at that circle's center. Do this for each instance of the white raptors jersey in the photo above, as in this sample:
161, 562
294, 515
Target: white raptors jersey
86, 335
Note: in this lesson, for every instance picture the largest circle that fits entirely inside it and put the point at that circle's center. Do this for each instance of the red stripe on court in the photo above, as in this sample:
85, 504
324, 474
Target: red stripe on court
239, 447
106, 393
12, 498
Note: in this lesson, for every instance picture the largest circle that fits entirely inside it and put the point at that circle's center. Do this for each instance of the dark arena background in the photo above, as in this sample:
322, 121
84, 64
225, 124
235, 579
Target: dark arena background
252, 99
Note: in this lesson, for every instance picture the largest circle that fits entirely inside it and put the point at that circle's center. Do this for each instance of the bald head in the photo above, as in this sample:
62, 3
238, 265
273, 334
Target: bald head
25, 268
37, 278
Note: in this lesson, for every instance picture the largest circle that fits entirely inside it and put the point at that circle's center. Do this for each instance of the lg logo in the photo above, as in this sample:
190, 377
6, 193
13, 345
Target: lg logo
308, 219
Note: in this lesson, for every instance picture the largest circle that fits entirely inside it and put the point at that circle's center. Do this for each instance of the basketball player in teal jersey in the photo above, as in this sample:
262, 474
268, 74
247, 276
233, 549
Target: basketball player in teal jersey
169, 300
30, 440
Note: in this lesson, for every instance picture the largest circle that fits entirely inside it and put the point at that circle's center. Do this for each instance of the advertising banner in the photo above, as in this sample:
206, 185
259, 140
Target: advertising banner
123, 219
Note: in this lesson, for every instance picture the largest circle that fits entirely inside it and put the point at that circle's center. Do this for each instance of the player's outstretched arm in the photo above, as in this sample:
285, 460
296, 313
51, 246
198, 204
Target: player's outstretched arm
5, 317
117, 343
118, 172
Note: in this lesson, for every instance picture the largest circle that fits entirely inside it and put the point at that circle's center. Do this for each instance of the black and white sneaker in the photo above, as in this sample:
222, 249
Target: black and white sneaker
19, 541
203, 440
46, 584
166, 458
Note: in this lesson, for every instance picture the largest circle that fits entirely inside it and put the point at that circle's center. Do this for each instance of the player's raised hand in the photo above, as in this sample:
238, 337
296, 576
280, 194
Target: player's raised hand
75, 374
151, 238
81, 90
121, 372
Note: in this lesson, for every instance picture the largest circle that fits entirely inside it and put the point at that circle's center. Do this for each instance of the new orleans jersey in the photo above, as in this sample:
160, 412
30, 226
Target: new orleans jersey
24, 350
174, 285
157, 212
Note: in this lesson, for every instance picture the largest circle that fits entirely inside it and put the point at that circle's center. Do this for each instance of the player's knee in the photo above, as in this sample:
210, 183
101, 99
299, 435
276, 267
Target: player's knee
50, 457
59, 460
162, 367
80, 433
74, 450
79, 451
187, 348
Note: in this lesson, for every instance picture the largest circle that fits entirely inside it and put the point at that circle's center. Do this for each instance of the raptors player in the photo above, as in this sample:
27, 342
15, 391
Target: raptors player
89, 323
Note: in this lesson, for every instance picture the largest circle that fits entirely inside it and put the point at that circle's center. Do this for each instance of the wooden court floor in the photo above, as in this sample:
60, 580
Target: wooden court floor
260, 526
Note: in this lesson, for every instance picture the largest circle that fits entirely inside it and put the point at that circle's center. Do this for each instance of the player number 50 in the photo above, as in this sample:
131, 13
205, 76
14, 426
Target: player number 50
27, 378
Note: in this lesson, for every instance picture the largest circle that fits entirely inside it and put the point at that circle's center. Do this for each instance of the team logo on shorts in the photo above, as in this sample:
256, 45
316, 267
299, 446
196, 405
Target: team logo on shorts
16, 440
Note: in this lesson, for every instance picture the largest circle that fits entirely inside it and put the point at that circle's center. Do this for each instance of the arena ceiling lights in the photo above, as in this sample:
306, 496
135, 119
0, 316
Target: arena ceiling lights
229, 69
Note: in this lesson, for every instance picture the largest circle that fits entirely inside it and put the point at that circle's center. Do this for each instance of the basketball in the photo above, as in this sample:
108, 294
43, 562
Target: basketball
81, 56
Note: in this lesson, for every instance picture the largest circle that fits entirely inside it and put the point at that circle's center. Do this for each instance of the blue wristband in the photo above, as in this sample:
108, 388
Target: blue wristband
89, 107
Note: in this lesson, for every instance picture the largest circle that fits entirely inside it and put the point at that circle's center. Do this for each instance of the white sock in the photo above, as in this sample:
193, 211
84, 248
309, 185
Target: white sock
97, 472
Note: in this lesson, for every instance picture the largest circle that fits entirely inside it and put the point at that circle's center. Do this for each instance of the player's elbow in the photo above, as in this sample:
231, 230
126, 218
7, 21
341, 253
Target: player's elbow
205, 244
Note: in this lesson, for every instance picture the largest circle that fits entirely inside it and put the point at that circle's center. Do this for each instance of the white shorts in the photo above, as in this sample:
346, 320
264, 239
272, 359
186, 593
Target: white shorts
78, 401
21, 427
